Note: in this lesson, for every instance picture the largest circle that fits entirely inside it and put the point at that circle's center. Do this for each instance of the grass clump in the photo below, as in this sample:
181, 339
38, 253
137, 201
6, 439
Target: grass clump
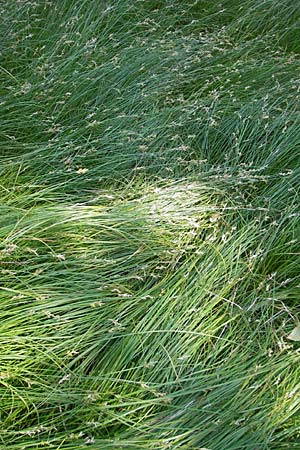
149, 252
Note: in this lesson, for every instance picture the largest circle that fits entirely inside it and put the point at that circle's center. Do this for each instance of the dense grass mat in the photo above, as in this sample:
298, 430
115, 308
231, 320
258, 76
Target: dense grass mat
149, 225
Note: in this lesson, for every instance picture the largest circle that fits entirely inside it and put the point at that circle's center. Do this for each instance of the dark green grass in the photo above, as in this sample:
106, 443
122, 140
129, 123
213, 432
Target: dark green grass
149, 225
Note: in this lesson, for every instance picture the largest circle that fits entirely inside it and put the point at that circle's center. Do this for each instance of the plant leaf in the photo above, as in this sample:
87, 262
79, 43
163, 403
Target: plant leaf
295, 334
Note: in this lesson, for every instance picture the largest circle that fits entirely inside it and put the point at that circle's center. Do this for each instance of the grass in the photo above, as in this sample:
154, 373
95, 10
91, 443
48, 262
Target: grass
149, 252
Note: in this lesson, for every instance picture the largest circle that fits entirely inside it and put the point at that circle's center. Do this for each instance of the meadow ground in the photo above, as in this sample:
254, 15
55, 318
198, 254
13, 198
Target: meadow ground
149, 199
